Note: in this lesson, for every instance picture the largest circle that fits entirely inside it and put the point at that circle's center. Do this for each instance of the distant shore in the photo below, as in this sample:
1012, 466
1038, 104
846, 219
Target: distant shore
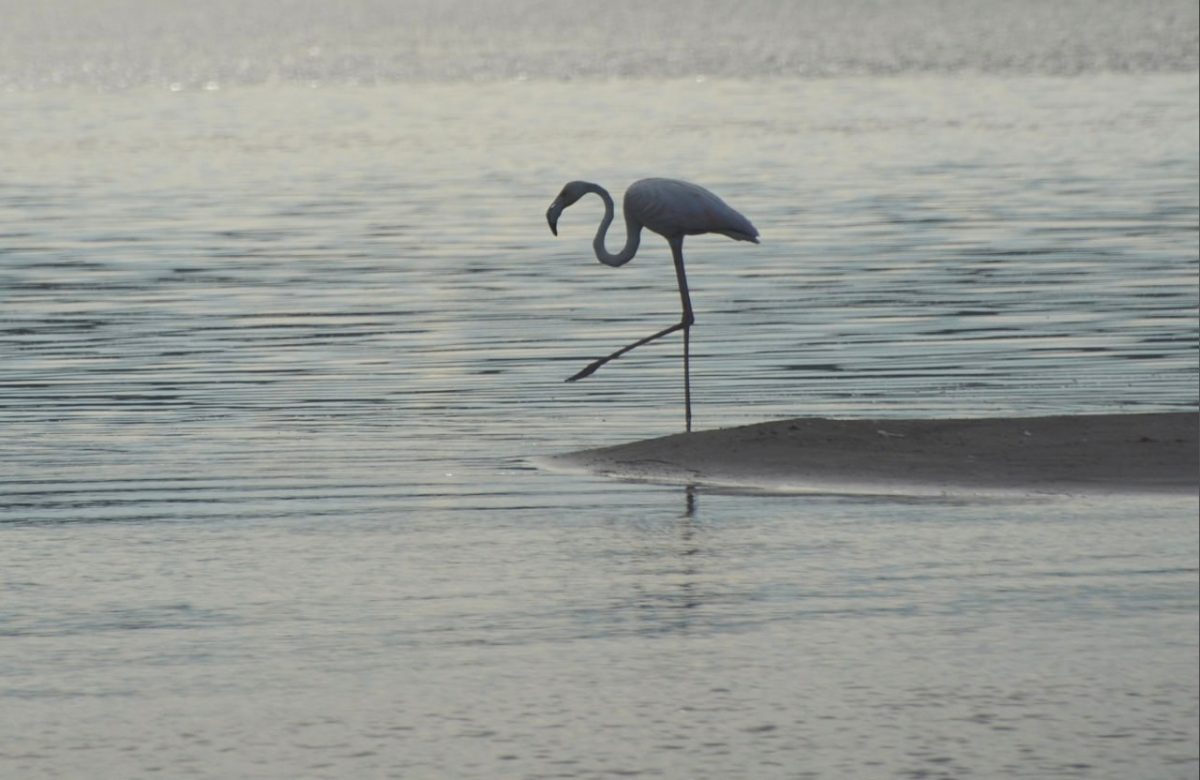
1075, 454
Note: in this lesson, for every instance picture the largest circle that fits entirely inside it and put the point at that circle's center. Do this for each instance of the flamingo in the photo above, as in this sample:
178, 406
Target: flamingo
673, 209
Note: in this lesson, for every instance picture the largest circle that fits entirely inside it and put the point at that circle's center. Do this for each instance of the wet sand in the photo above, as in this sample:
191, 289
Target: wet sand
1077, 454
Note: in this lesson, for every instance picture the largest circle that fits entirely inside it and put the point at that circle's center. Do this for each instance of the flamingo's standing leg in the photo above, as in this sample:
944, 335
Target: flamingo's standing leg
686, 322
687, 382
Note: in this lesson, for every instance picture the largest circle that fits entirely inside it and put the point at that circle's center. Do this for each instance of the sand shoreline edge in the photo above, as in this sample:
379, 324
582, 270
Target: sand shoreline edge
1142, 453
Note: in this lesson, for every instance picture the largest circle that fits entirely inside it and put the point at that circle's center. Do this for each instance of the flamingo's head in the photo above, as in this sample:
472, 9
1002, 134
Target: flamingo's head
571, 192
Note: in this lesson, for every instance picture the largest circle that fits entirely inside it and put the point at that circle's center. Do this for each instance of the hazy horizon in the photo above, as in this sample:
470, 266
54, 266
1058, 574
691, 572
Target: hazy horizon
115, 44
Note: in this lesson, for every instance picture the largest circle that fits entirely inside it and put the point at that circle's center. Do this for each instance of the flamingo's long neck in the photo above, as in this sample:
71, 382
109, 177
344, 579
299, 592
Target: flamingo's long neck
633, 233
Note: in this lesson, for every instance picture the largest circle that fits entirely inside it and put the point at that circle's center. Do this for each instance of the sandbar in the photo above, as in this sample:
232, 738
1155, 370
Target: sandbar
1094, 454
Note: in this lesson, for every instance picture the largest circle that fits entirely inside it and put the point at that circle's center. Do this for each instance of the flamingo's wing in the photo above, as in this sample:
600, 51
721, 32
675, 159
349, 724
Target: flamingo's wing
672, 207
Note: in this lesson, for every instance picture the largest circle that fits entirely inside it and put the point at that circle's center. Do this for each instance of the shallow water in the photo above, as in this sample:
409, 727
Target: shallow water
275, 357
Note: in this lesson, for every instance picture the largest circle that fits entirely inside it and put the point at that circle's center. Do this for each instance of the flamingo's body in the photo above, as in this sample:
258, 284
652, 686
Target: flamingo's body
673, 209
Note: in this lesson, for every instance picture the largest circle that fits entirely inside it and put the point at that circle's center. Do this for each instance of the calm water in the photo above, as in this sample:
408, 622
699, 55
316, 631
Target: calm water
281, 325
